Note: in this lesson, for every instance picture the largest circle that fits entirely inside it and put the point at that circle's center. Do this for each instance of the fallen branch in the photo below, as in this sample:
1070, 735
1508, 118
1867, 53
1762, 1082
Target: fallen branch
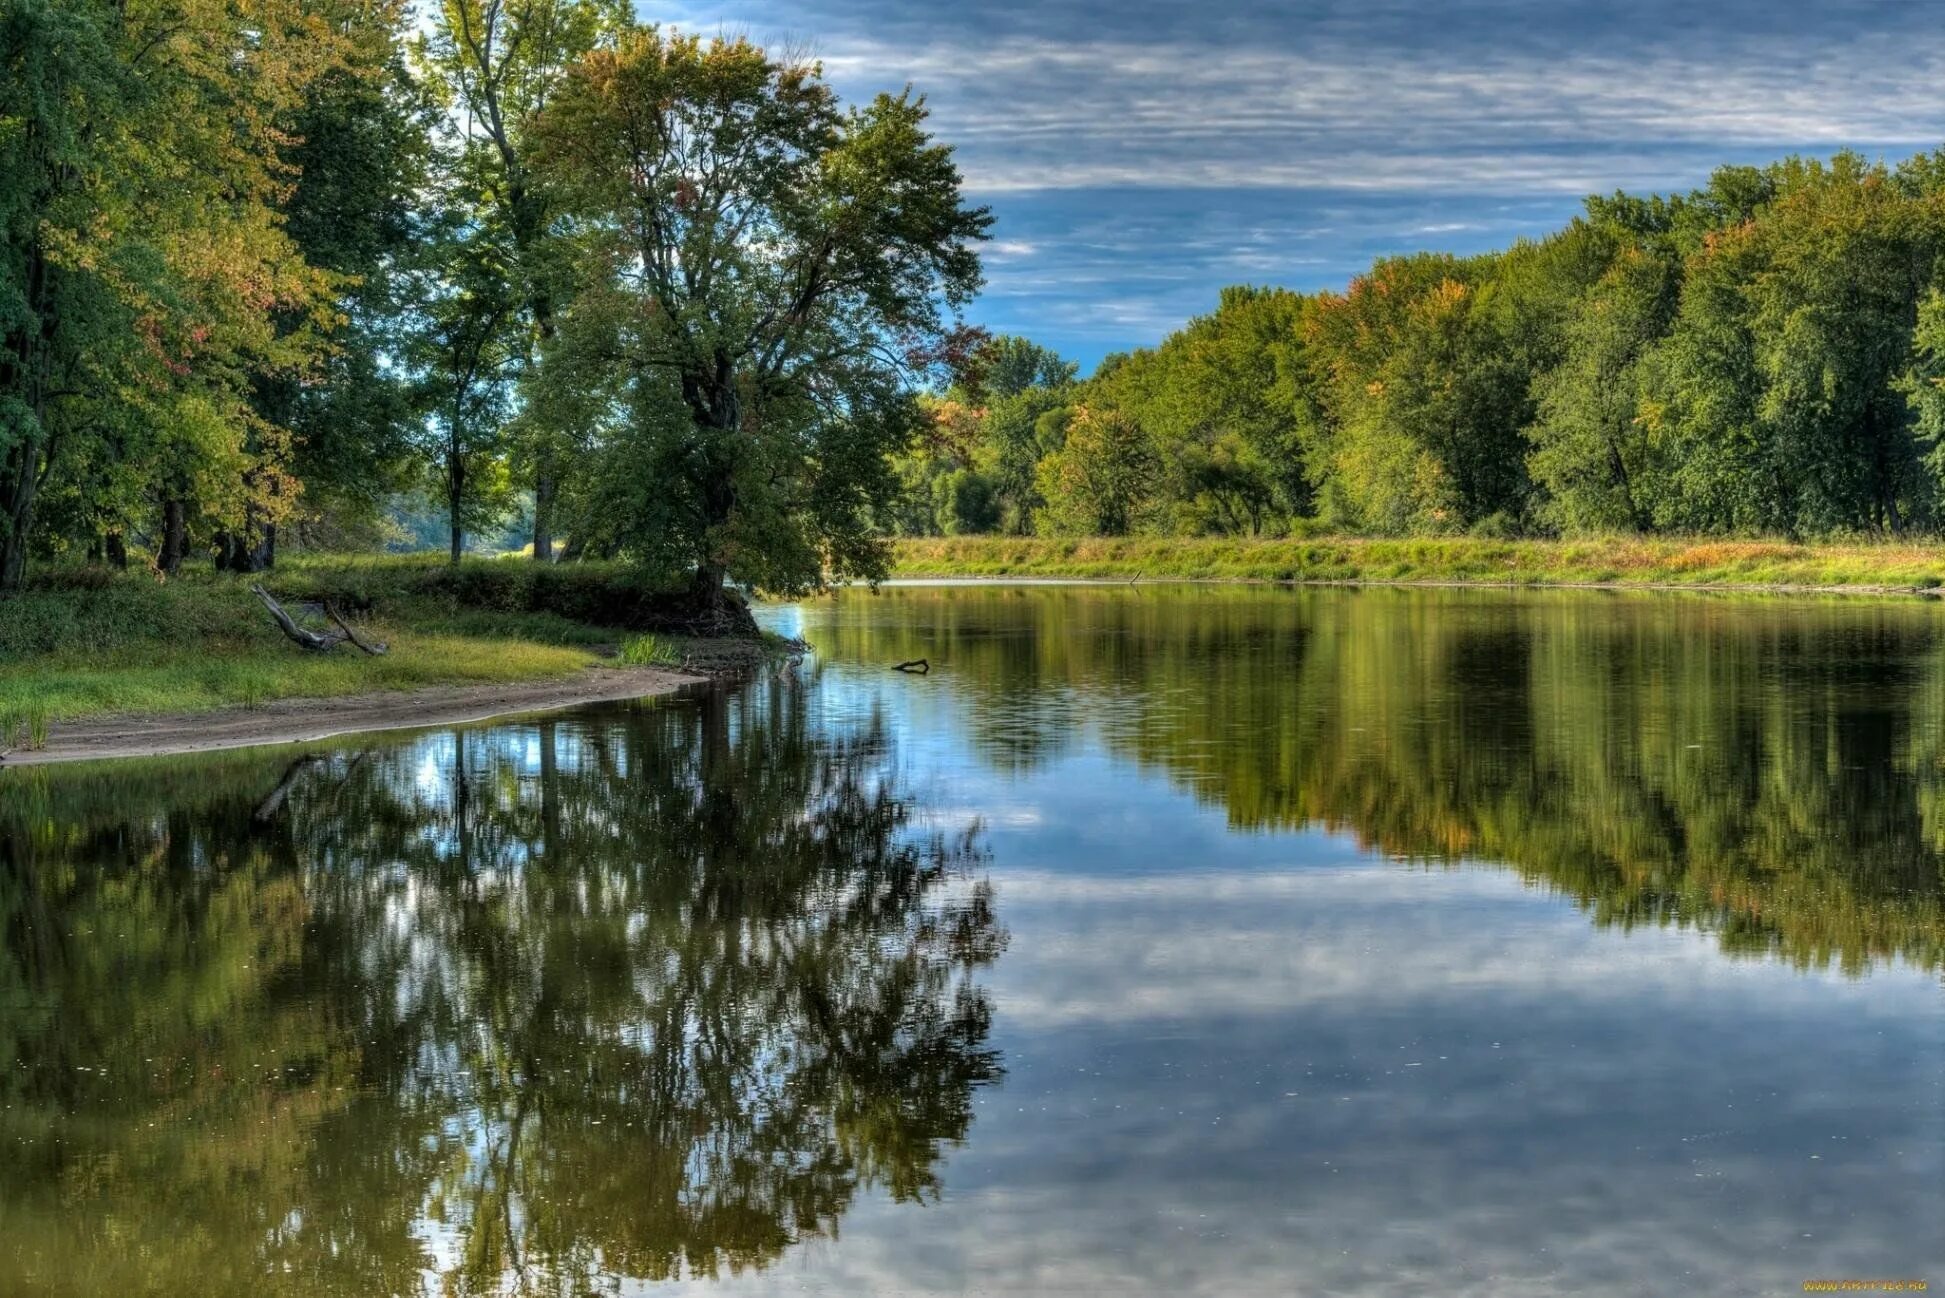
917, 666
315, 641
374, 648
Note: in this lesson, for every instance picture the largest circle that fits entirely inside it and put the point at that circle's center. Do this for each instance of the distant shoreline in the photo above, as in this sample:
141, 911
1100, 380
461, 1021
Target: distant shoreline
1748, 567
1428, 583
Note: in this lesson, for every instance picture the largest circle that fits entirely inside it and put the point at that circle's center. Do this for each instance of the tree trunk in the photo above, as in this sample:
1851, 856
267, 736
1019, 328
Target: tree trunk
317, 641
706, 587
543, 516
175, 538
253, 549
455, 498
714, 609
1618, 469
117, 550
24, 367
19, 481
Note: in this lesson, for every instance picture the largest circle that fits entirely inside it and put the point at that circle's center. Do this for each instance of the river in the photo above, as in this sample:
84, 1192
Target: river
1159, 939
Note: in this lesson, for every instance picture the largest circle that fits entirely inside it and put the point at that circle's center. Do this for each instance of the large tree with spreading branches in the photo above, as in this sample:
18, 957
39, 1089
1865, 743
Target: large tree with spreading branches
767, 275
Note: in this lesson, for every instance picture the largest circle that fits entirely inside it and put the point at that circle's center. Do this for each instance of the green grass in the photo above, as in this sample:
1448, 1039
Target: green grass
649, 651
1598, 561
83, 642
23, 726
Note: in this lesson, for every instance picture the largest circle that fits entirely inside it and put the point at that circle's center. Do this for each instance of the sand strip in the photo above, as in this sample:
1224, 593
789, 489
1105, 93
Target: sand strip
291, 721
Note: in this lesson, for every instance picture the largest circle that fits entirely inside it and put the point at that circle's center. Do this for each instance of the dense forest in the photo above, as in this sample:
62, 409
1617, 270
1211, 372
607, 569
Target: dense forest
1761, 356
282, 269
528, 273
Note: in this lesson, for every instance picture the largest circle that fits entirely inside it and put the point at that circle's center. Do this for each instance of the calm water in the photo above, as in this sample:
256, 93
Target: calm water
1160, 940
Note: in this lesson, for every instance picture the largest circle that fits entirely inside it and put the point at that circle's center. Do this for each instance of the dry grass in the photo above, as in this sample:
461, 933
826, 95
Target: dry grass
1764, 564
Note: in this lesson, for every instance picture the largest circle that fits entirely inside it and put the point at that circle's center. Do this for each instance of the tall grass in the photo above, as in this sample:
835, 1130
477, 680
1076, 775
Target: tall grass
1600, 561
649, 651
23, 726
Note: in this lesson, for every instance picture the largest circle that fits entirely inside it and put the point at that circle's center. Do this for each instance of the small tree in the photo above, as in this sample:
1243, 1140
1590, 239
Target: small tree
500, 62
1098, 481
778, 267
462, 352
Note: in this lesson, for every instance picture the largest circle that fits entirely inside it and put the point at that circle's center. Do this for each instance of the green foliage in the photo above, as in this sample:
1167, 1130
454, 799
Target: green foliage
147, 279
1219, 401
1009, 366
264, 273
965, 501
1757, 357
363, 162
1592, 454
760, 272
259, 268
1100, 480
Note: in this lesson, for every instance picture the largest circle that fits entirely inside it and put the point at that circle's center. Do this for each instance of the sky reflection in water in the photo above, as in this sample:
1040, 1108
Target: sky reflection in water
1158, 941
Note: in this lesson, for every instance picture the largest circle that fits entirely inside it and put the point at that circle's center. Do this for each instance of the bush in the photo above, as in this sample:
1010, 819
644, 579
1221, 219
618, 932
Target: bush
965, 503
598, 594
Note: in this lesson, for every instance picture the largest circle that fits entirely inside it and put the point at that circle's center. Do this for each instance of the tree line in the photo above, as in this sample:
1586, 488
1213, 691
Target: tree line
320, 269
1764, 355
274, 265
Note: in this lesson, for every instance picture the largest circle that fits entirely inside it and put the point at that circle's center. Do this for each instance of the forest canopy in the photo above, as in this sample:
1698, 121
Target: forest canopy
1762, 356
290, 262
531, 274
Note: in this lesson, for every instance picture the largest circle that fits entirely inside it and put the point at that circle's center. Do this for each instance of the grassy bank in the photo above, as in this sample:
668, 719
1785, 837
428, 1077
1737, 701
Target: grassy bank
1618, 561
87, 642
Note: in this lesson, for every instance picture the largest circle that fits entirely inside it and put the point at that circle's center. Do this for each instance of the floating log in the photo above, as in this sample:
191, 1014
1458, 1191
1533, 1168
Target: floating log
917, 666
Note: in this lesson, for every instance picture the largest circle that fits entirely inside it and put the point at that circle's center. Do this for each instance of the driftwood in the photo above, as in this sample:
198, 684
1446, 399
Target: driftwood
917, 665
315, 641
371, 647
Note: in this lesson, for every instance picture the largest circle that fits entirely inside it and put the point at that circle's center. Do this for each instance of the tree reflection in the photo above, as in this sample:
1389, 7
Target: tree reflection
529, 1007
1771, 770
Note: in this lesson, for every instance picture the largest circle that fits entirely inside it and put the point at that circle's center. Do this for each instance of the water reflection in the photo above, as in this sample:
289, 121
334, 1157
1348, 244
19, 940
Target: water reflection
645, 994
657, 1000
1773, 771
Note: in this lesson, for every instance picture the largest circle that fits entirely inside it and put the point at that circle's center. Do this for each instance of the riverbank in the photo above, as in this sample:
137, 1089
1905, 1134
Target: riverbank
1884, 569
306, 720
84, 645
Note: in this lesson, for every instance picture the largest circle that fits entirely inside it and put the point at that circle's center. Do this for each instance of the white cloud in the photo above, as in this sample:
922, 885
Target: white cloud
1028, 114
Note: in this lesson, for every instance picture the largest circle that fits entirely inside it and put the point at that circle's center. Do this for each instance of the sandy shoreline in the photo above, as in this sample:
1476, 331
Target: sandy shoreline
292, 721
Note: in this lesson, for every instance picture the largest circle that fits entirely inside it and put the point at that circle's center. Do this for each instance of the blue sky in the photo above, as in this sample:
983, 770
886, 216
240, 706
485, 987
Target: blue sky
1138, 155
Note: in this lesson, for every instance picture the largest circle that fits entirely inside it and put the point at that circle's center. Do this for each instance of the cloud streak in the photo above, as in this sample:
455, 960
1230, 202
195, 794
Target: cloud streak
1139, 154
